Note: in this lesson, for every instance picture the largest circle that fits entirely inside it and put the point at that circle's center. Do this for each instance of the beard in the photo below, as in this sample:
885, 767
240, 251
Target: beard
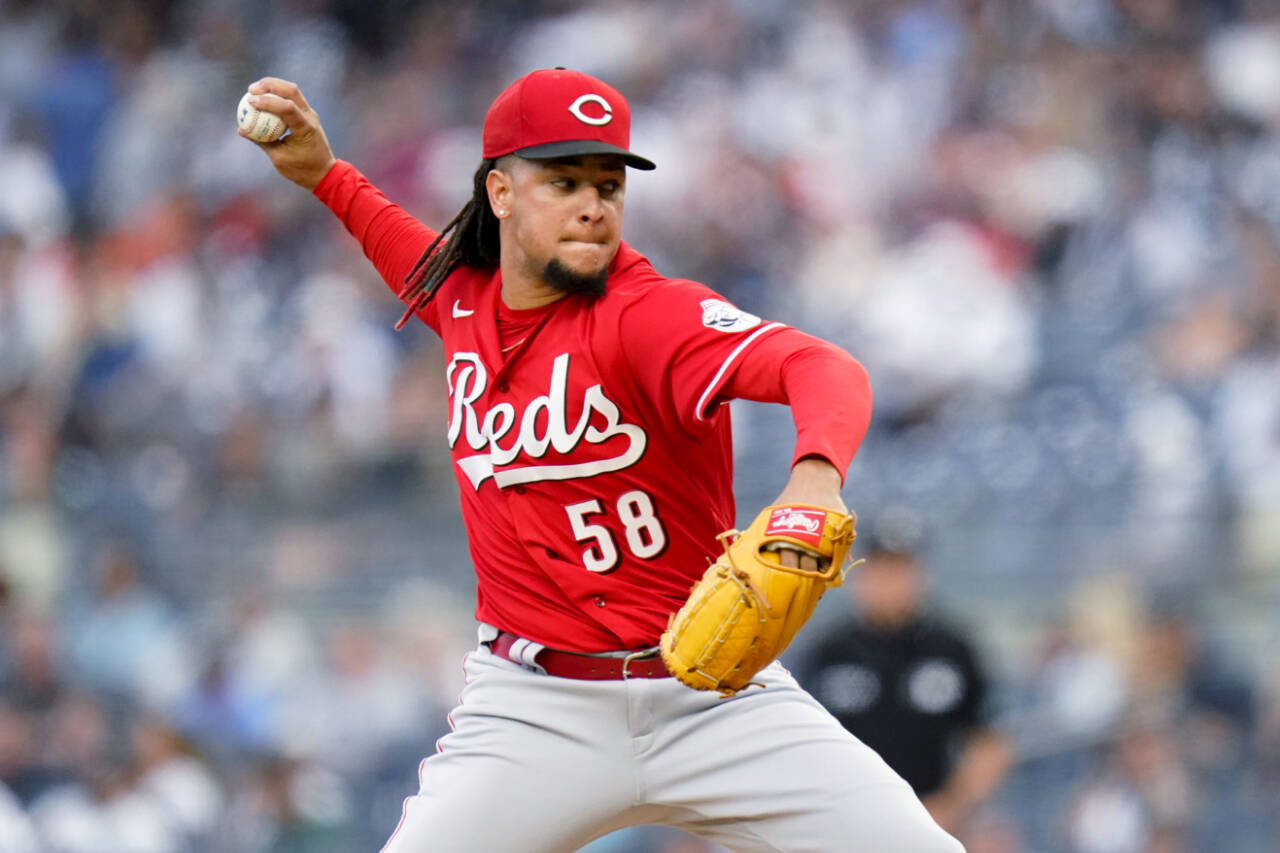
566, 280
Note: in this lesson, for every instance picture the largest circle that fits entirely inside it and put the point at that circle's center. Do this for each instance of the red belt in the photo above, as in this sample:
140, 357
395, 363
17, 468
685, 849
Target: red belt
643, 664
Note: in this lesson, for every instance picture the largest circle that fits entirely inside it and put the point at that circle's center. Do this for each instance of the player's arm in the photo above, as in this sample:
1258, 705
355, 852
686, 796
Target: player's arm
830, 398
985, 755
707, 644
390, 237
723, 353
981, 767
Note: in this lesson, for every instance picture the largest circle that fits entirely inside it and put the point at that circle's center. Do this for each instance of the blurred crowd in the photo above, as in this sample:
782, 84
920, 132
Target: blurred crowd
233, 587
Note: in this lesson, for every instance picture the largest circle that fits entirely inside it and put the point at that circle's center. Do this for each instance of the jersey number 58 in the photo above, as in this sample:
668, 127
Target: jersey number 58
641, 526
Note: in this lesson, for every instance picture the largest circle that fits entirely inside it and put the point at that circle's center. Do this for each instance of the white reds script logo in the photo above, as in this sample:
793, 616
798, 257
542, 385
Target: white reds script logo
484, 432
723, 317
594, 121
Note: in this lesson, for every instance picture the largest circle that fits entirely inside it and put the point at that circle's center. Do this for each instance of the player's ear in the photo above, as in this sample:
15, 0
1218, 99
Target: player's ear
499, 187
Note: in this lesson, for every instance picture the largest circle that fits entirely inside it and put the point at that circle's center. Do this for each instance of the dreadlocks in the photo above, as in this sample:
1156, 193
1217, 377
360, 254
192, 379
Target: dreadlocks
470, 239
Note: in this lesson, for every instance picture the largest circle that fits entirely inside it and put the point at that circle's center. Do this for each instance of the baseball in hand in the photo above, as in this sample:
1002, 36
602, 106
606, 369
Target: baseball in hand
258, 125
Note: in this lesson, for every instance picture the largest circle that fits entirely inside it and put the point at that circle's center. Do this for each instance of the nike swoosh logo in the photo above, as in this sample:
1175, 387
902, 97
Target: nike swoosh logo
459, 311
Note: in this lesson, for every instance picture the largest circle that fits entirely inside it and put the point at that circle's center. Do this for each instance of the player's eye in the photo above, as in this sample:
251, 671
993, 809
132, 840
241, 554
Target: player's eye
609, 189
567, 184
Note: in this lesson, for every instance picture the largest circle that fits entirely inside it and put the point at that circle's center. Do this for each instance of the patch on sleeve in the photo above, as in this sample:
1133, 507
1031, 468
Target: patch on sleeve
723, 317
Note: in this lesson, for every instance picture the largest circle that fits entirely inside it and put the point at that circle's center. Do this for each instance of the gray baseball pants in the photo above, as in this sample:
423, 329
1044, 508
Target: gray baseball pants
539, 764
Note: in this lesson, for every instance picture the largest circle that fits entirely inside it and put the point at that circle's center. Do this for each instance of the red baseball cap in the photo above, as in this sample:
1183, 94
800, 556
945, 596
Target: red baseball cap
556, 112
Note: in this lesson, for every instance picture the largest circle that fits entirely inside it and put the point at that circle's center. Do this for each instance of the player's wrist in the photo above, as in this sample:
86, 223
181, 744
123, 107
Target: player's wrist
314, 177
817, 468
813, 481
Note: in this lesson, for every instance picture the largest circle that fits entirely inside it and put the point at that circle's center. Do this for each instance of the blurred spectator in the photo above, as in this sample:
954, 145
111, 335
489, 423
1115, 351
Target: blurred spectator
78, 737
287, 806
32, 538
74, 102
34, 677
126, 639
363, 703
912, 687
34, 211
1141, 800
93, 805
167, 770
1077, 688
99, 813
223, 713
941, 314
20, 759
270, 649
1269, 728
1179, 673
17, 835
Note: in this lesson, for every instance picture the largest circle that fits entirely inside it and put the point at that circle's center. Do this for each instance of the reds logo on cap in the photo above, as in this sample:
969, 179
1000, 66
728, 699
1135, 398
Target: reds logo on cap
576, 109
802, 524
556, 112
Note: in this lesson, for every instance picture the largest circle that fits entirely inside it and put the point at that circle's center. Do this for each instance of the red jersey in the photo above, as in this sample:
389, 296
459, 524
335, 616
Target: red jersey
593, 455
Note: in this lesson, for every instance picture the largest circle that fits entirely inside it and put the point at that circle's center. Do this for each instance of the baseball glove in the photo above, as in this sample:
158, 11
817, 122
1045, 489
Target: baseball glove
747, 607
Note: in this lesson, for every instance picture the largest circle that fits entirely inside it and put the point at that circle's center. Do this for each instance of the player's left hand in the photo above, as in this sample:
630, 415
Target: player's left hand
748, 605
814, 482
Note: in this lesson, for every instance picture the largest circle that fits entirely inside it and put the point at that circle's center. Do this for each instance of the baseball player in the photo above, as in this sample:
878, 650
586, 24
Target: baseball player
592, 450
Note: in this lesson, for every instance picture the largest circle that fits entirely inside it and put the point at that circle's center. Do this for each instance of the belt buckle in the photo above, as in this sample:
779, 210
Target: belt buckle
634, 656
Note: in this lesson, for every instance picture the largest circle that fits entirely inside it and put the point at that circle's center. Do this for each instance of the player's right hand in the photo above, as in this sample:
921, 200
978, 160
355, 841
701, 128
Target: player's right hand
303, 154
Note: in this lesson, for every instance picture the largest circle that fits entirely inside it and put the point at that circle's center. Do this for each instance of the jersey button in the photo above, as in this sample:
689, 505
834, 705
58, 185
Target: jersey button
520, 490
504, 387
599, 601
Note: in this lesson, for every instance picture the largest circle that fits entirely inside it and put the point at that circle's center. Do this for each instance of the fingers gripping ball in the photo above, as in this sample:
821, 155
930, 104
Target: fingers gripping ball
258, 125
748, 607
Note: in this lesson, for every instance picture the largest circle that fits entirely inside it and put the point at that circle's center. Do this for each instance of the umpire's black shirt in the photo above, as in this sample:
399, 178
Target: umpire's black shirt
910, 693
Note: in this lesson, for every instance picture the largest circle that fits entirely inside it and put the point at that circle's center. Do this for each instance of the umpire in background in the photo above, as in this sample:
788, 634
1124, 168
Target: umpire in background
911, 686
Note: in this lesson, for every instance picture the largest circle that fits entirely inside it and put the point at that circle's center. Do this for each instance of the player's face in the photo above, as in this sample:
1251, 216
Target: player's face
567, 218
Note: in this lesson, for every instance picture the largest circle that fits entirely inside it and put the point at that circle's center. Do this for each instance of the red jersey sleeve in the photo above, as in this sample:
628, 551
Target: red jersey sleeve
828, 391
682, 342
390, 237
